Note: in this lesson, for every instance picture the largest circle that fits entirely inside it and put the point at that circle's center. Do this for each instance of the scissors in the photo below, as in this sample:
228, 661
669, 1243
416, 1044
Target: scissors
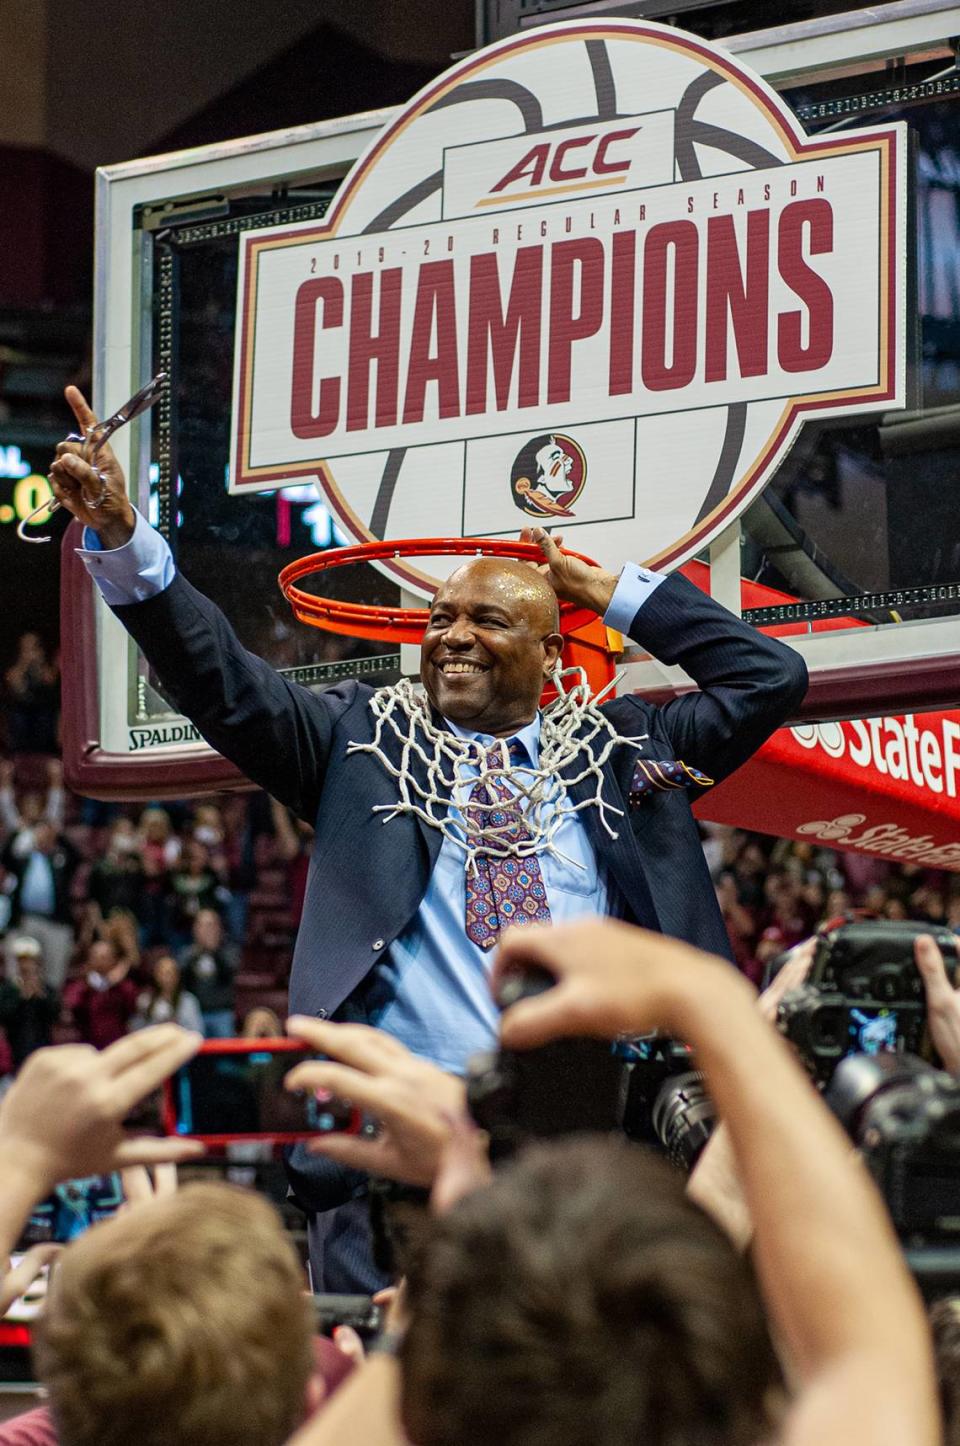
94, 438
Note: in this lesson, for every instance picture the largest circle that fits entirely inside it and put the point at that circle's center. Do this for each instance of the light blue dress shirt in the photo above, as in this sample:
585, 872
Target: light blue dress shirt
431, 991
37, 891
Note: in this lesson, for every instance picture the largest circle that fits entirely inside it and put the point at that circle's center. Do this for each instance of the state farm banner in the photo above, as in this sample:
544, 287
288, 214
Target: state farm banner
883, 786
595, 276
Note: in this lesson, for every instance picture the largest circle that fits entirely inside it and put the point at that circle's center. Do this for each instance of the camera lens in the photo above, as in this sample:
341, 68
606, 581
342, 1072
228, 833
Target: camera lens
683, 1117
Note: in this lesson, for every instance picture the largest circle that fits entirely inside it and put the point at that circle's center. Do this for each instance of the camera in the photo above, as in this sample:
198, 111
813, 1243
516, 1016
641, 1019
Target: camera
683, 1118
863, 995
905, 1117
667, 1103
565, 1087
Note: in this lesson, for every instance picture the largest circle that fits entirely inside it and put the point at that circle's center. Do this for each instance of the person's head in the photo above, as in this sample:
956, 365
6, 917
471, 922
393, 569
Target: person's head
838, 903
936, 909
182, 1320
31, 808
196, 858
30, 649
101, 957
123, 838
582, 1297
155, 825
123, 931
751, 860
874, 899
491, 642
27, 959
726, 890
814, 895
208, 929
166, 976
208, 825
262, 1023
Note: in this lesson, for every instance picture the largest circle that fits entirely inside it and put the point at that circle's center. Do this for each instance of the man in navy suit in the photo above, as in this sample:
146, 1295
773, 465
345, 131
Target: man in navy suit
400, 915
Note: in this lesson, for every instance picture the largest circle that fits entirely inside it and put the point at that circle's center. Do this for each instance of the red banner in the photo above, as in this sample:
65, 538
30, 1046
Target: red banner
883, 786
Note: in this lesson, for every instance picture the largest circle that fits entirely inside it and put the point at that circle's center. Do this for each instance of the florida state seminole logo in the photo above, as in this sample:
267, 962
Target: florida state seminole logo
602, 240
548, 476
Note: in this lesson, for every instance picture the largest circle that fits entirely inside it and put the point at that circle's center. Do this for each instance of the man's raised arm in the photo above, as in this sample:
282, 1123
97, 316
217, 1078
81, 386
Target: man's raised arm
830, 1268
749, 683
276, 732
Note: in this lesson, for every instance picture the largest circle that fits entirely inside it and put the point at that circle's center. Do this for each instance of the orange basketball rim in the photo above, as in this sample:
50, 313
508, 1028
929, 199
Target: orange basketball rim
588, 643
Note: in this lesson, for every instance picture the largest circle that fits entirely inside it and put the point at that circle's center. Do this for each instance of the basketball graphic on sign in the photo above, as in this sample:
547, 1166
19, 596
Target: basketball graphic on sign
548, 476
609, 238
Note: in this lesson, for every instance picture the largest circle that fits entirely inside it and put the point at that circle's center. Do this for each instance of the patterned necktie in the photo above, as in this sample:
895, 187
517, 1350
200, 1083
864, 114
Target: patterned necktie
501, 891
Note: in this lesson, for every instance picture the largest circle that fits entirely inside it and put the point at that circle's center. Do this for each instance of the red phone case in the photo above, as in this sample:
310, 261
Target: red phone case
247, 1046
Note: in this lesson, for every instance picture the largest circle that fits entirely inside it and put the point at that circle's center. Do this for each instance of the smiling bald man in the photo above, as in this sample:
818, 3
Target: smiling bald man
441, 818
492, 639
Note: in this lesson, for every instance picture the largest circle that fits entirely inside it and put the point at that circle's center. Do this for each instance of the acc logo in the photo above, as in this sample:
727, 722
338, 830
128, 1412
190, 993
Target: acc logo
597, 238
548, 476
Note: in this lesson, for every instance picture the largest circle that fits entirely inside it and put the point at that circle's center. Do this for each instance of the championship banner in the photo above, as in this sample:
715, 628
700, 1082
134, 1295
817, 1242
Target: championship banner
596, 277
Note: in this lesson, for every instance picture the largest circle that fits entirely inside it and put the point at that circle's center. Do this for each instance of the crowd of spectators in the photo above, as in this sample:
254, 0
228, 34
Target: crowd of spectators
30, 711
113, 917
775, 892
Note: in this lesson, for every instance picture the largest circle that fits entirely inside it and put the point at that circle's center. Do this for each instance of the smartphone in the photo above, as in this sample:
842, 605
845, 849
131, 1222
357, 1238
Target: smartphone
232, 1089
73, 1207
359, 1312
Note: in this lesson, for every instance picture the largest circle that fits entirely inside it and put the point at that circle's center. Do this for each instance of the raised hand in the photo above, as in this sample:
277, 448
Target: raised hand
412, 1101
77, 484
572, 580
943, 1002
18, 1280
791, 976
612, 979
63, 1116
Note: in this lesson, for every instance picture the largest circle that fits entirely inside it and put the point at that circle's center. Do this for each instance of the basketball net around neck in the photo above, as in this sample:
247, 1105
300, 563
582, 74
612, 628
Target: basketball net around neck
576, 739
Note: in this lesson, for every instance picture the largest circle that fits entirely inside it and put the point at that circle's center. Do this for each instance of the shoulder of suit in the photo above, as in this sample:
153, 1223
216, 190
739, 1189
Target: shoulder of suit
626, 712
348, 693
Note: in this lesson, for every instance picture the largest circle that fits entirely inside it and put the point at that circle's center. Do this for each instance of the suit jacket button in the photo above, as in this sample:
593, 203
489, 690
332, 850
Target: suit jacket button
322, 1013
377, 945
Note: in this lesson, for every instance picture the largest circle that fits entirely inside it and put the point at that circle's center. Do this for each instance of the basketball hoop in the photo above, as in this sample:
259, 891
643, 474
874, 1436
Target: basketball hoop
587, 641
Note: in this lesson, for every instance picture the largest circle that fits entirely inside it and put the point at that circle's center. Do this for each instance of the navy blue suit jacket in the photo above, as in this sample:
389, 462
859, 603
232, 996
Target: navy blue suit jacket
367, 878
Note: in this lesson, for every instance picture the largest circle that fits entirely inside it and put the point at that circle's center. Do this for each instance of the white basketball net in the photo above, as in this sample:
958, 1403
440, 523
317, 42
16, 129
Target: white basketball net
574, 734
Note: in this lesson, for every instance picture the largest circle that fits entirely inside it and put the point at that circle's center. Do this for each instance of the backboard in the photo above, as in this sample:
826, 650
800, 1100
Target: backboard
851, 548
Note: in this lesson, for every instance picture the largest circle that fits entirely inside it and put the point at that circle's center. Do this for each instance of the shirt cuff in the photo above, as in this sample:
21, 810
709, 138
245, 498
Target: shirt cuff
140, 569
631, 592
